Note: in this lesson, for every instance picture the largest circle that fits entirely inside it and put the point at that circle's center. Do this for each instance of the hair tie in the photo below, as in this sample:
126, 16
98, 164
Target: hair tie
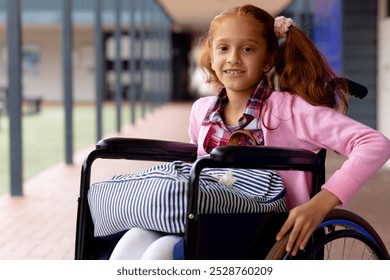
281, 26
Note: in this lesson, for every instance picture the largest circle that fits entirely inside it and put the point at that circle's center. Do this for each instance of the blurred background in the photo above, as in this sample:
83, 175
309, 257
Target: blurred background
64, 64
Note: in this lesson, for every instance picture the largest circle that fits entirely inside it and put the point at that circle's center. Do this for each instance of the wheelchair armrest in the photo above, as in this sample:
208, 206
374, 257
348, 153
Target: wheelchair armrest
146, 149
266, 157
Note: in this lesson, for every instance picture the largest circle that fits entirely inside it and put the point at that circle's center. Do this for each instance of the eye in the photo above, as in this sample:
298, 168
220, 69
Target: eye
247, 49
222, 48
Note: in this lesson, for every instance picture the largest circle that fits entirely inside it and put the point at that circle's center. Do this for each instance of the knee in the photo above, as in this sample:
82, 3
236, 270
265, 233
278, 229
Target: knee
162, 248
134, 243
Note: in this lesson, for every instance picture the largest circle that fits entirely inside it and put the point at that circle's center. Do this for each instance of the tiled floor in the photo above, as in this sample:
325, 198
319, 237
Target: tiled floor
41, 224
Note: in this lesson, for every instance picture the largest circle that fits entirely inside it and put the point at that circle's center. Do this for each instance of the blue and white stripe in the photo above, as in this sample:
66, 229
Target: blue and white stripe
156, 198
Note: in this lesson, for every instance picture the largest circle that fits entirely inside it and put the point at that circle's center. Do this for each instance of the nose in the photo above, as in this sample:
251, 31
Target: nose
234, 57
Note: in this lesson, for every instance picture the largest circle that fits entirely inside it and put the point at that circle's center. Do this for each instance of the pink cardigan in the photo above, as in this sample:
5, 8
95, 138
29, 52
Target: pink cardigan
294, 123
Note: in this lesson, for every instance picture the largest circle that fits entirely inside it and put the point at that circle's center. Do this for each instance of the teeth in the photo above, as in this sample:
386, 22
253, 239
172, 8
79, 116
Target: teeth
233, 72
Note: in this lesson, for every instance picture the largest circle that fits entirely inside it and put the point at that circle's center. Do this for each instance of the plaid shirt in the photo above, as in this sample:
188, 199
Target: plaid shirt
219, 134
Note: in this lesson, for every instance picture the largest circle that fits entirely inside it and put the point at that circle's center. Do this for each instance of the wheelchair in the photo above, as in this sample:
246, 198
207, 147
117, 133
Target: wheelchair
342, 235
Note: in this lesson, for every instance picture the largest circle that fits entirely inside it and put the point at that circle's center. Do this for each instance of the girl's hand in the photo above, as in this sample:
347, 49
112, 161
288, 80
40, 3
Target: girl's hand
303, 220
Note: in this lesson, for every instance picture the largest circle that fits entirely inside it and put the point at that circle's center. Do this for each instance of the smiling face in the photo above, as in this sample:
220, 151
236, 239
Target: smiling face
239, 54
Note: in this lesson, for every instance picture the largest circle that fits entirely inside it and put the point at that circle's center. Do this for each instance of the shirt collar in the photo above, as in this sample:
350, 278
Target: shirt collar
252, 108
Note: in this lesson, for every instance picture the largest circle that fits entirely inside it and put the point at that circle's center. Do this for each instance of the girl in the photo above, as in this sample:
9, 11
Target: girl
272, 82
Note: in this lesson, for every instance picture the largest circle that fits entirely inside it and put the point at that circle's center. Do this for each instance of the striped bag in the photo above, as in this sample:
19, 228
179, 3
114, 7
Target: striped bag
156, 199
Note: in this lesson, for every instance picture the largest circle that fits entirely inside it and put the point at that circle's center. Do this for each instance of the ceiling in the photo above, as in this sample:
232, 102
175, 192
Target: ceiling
196, 15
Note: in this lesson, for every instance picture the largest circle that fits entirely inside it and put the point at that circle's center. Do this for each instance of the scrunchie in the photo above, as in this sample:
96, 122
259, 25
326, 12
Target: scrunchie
281, 26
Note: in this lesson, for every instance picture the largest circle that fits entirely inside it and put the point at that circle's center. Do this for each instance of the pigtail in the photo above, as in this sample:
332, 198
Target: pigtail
303, 70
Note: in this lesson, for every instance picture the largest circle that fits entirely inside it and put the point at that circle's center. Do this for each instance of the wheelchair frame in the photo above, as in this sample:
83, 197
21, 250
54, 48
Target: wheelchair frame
261, 157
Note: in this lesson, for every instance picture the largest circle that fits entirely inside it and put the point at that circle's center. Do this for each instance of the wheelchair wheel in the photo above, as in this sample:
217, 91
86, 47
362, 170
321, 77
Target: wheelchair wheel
346, 236
343, 235
344, 244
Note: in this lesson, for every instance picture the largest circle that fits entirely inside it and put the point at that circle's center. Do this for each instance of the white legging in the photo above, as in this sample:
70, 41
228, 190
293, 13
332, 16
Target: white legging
142, 244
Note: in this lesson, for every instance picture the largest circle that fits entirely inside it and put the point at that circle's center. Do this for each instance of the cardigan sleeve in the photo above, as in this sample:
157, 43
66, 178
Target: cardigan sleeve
366, 149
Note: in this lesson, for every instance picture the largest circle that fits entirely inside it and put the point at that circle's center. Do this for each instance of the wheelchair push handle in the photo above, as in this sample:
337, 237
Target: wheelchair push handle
355, 89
